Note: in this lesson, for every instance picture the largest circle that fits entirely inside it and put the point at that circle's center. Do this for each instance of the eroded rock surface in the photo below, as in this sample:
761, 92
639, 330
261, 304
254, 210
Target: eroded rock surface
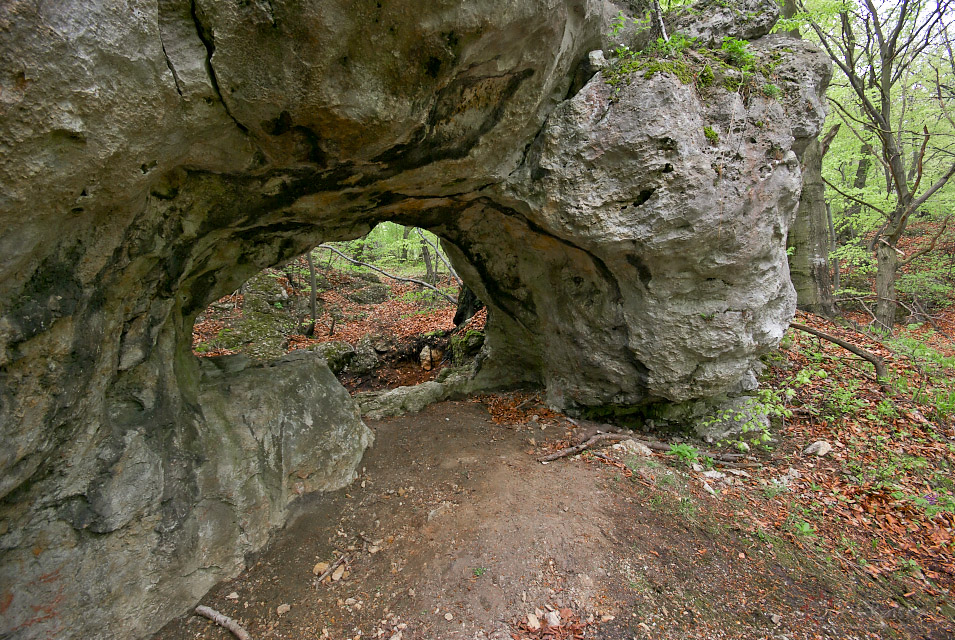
638, 254
156, 155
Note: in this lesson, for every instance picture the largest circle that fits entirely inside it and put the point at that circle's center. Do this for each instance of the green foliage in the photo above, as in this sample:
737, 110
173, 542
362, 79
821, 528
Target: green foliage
803, 529
711, 135
685, 452
737, 53
770, 90
478, 571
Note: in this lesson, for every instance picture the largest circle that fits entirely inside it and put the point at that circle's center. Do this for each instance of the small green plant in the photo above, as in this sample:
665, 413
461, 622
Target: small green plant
804, 529
711, 135
687, 508
770, 90
685, 452
478, 571
737, 53
773, 489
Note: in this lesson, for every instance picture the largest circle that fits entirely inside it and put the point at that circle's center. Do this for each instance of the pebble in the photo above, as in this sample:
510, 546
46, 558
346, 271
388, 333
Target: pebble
819, 448
532, 622
449, 616
283, 609
552, 619
320, 568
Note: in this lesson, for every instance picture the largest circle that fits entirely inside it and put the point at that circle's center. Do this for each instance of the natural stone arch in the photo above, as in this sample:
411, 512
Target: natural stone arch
167, 153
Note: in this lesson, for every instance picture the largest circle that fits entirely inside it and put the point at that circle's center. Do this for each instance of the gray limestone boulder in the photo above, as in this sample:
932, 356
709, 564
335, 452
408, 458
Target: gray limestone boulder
710, 21
144, 509
394, 402
657, 213
371, 294
337, 354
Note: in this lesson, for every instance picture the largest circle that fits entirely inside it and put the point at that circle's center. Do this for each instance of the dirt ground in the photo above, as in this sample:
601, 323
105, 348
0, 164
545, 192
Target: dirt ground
455, 531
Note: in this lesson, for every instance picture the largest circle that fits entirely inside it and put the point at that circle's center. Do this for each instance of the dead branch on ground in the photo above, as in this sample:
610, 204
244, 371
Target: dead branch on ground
223, 621
331, 568
388, 275
725, 459
881, 373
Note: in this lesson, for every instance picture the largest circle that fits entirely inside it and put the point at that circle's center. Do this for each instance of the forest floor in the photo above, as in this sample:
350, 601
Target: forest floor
456, 530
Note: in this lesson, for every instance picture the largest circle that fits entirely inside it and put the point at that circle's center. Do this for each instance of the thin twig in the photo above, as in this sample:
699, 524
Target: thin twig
223, 621
330, 569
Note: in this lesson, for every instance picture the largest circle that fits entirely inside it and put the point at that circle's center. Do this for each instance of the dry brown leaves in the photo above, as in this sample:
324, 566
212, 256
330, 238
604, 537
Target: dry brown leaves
870, 499
571, 627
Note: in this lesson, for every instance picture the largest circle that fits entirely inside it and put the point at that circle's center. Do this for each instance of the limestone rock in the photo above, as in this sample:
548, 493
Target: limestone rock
819, 448
382, 404
710, 21
156, 156
371, 294
337, 354
365, 359
659, 269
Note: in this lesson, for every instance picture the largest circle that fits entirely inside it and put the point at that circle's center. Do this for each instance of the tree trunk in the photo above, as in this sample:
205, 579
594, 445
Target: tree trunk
836, 269
809, 240
403, 252
849, 231
312, 296
886, 307
426, 256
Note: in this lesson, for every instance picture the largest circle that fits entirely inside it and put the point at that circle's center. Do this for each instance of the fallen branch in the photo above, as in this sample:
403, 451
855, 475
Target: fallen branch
331, 568
725, 459
569, 451
223, 621
388, 275
881, 373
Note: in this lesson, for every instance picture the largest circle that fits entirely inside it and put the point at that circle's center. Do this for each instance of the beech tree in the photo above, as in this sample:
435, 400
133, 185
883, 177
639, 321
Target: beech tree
889, 54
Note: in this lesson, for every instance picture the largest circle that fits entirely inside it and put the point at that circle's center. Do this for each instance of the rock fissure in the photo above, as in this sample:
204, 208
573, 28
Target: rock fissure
208, 41
172, 69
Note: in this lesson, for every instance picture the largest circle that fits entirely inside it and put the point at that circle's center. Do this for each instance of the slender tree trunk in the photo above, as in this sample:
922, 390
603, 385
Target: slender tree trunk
312, 296
833, 242
809, 239
403, 253
426, 256
848, 231
888, 264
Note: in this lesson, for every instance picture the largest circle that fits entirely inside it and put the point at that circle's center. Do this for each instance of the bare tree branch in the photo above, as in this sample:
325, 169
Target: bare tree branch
930, 247
853, 198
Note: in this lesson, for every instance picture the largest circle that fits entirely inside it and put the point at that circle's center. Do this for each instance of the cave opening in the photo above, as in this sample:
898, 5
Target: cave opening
385, 310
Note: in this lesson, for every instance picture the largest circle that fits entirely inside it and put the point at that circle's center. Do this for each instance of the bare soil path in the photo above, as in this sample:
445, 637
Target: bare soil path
455, 531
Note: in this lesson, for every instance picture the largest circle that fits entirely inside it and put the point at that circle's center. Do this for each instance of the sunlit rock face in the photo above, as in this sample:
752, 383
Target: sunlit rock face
155, 155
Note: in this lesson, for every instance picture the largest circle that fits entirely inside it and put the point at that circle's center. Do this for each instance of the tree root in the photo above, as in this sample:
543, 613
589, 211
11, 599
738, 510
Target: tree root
223, 621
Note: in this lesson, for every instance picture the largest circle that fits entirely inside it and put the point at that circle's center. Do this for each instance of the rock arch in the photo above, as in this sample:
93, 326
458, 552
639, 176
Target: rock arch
157, 155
